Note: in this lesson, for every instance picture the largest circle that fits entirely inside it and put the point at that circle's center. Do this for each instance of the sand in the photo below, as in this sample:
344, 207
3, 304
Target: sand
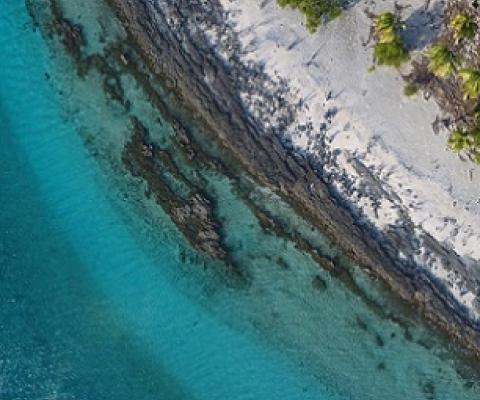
376, 146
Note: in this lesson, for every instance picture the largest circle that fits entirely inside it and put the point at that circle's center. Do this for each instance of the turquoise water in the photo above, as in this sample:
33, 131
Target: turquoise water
85, 314
100, 302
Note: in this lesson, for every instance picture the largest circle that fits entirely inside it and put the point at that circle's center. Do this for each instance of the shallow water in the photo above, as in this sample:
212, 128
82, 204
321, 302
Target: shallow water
101, 297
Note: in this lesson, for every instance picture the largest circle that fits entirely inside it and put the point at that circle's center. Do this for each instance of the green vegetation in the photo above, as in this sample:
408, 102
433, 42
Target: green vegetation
461, 140
316, 11
389, 49
471, 82
386, 27
443, 61
392, 54
464, 27
443, 57
410, 89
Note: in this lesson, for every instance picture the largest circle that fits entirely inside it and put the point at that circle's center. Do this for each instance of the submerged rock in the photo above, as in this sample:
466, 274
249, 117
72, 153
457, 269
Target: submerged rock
177, 50
192, 213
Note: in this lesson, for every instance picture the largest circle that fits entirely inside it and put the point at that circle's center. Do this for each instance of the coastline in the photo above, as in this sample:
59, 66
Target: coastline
114, 155
383, 153
180, 58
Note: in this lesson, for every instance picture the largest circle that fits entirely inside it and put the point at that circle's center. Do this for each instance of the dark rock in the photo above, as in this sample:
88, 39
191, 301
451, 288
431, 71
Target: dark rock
319, 283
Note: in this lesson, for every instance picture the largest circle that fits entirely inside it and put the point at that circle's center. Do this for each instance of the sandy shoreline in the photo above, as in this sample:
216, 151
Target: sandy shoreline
387, 162
184, 55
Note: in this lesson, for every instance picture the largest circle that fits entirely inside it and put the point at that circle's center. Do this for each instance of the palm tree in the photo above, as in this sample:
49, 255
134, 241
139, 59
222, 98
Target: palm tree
315, 11
471, 82
459, 140
443, 61
393, 54
387, 26
464, 26
389, 49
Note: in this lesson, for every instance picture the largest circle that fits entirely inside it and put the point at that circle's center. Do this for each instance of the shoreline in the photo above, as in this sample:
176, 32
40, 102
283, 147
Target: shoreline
182, 63
378, 149
301, 298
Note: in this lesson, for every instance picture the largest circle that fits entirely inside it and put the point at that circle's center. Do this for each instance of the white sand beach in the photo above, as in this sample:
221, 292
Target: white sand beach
382, 153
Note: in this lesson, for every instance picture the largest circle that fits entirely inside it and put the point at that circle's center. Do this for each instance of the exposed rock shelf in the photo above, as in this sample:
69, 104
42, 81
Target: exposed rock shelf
179, 55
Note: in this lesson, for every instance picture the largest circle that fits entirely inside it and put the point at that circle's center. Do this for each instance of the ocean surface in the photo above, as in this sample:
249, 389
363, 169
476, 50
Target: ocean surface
102, 298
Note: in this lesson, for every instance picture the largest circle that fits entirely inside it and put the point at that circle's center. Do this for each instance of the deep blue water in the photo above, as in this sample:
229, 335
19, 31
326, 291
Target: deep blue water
95, 303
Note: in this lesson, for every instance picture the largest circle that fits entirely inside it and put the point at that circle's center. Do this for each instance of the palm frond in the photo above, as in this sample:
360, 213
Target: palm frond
389, 49
459, 140
471, 82
443, 61
464, 27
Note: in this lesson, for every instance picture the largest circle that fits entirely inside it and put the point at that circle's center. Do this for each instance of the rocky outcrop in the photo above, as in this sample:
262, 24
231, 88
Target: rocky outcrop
192, 212
177, 52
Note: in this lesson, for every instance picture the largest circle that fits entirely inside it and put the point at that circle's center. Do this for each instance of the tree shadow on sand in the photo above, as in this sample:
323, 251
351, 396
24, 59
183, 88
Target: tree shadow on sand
423, 26
346, 4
